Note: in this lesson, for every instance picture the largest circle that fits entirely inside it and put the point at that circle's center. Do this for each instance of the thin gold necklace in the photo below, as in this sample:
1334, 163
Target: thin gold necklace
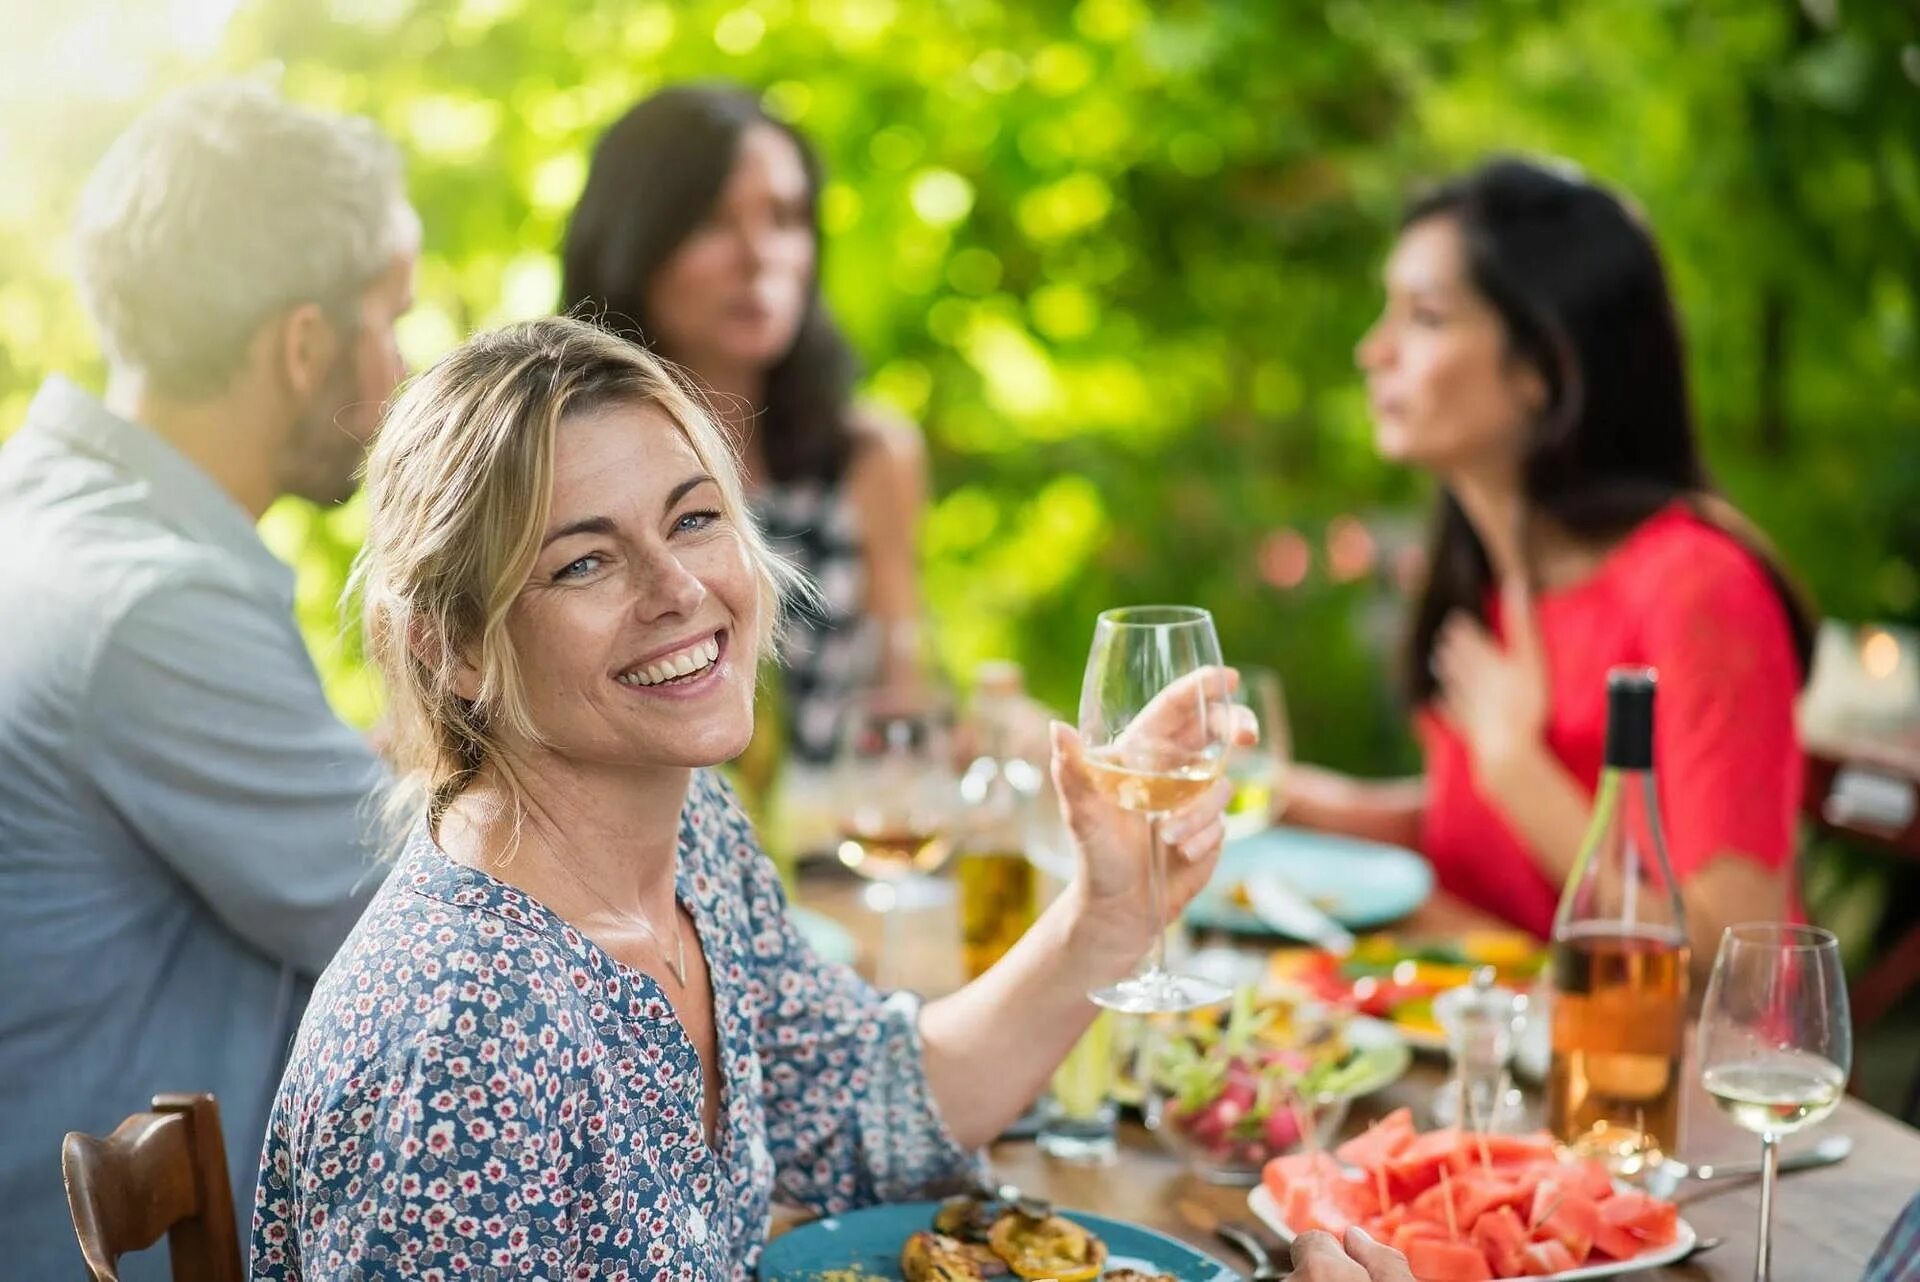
677, 962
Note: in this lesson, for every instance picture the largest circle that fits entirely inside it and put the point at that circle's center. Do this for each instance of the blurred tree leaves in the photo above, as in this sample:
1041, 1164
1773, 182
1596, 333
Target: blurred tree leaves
1115, 256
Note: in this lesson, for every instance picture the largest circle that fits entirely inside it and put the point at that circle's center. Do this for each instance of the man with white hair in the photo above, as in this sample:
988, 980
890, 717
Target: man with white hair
184, 823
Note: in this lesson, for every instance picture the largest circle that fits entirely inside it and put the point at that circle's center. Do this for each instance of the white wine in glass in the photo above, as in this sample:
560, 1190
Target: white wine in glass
1155, 714
1776, 1094
1259, 769
896, 794
1148, 782
885, 849
1776, 1042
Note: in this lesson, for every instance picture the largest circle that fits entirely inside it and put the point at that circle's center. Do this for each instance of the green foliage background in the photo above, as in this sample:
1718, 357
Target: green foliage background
1115, 255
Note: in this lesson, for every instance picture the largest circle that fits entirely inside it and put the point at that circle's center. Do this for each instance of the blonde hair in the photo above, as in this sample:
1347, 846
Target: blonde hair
459, 488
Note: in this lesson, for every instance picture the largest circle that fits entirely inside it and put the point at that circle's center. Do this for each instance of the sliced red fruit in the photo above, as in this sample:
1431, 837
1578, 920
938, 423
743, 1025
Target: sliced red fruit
1315, 1170
1501, 1236
1562, 1215
1385, 1139
1433, 1261
1403, 1238
1416, 1168
1543, 1259
1471, 1198
1474, 1198
1589, 1178
1616, 1243
1304, 1210
1642, 1215
1381, 1227
1477, 1152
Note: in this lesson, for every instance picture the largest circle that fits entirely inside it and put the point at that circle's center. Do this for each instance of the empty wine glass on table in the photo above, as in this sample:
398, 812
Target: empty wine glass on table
896, 793
1259, 769
1156, 719
1776, 1042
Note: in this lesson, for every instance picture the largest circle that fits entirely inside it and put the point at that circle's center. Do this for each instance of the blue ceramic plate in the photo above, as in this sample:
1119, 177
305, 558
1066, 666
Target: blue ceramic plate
868, 1243
1360, 884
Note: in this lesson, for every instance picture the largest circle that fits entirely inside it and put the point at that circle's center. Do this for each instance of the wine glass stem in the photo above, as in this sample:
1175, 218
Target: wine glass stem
1769, 1171
1156, 901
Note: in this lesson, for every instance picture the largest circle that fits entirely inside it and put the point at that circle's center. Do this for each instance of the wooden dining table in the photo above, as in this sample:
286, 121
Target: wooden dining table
1826, 1221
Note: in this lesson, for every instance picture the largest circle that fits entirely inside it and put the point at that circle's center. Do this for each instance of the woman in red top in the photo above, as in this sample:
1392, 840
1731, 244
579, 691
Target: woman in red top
1529, 358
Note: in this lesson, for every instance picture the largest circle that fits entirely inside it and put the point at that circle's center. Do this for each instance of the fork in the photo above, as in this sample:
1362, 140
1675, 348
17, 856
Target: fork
1236, 1236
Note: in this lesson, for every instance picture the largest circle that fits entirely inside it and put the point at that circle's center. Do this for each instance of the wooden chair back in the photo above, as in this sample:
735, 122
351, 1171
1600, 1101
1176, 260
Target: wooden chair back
162, 1173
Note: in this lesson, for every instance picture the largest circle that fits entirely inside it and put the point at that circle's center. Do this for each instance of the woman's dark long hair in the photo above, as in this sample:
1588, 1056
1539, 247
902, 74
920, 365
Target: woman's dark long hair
655, 175
1578, 283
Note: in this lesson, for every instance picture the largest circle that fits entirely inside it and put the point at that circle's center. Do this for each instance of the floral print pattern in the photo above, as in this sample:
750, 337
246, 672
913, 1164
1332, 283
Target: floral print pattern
479, 1091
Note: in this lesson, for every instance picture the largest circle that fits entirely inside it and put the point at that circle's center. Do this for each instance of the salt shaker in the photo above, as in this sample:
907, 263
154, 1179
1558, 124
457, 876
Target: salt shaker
1481, 1020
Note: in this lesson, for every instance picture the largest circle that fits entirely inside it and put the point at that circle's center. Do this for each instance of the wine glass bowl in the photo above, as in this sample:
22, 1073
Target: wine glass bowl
1259, 769
1151, 778
896, 795
1776, 1041
898, 791
1155, 716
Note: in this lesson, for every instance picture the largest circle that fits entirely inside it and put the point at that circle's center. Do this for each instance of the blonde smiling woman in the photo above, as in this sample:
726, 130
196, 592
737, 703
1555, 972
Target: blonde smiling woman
576, 1035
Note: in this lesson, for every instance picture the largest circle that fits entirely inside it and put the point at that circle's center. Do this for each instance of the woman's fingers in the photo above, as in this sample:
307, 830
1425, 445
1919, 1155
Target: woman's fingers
1196, 814
1200, 845
1184, 714
1070, 766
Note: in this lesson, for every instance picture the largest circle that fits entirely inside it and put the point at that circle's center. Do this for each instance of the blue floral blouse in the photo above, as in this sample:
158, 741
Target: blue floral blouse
479, 1091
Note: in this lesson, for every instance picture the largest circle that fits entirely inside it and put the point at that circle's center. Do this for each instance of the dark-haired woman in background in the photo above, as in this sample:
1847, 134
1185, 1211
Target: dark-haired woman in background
1529, 358
697, 229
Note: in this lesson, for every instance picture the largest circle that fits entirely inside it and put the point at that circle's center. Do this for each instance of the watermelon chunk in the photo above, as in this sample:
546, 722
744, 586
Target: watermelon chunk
1589, 1178
1544, 1259
1416, 1168
1381, 1227
1616, 1243
1472, 1197
1654, 1222
1385, 1139
1502, 1237
1411, 1231
1314, 1170
1562, 1215
1304, 1209
1433, 1261
1500, 1151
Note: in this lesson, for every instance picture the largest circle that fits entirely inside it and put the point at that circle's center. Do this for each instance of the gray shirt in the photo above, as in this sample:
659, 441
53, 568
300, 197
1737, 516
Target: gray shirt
184, 822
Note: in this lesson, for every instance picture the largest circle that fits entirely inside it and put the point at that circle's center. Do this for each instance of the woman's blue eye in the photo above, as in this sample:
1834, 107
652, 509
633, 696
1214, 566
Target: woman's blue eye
575, 569
696, 521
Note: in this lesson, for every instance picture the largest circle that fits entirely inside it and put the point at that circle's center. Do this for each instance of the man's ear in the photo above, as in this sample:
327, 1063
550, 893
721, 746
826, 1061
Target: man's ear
305, 349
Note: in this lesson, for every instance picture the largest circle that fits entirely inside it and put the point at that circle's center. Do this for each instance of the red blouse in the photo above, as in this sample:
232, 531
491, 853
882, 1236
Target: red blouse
1680, 596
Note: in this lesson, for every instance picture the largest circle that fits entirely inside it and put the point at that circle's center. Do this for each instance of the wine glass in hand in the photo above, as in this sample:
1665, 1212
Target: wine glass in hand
1776, 1041
1156, 717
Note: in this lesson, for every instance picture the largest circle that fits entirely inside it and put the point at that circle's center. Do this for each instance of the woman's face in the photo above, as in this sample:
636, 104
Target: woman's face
1445, 392
636, 632
733, 294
